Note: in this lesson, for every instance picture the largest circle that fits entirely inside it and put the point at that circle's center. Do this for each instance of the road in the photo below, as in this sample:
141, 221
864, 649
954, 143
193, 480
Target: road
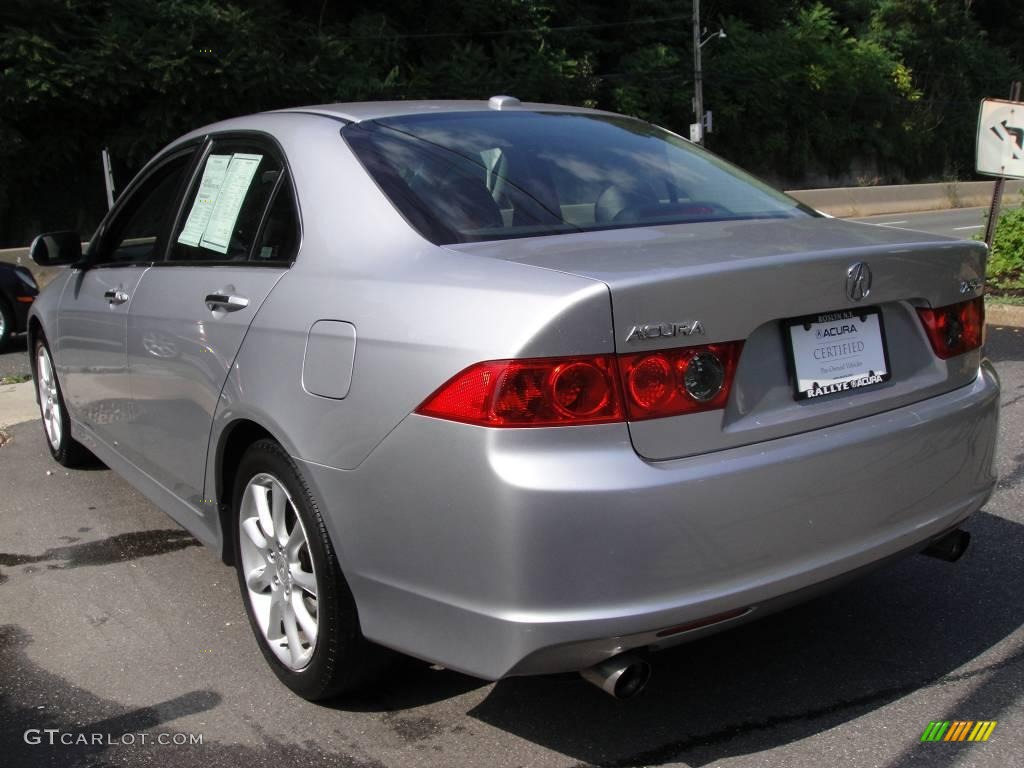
958, 222
14, 358
114, 621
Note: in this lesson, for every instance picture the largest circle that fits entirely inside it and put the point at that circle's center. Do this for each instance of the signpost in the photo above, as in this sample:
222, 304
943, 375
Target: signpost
1000, 149
108, 177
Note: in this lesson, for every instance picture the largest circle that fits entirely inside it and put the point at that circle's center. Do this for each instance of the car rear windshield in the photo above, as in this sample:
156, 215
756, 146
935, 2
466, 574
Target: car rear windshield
469, 176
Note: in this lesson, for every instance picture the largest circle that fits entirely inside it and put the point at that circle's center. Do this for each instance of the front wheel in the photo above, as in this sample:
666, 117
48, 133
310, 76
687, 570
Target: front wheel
298, 602
56, 423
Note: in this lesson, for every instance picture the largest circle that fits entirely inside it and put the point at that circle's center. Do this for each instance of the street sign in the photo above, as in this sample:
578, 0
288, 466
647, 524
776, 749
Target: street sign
1001, 138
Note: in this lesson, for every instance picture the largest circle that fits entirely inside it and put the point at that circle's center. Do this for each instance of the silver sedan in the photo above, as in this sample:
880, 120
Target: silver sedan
513, 388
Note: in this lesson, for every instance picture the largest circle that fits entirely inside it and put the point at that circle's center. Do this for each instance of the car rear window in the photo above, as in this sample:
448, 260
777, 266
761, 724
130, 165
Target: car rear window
469, 176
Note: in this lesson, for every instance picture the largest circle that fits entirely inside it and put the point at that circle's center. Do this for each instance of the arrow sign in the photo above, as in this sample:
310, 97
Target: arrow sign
1001, 138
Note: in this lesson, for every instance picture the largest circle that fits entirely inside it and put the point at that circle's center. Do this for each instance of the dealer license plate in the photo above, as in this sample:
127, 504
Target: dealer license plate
837, 352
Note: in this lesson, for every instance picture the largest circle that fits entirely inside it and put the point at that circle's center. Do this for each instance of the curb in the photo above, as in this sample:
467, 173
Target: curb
18, 404
1011, 315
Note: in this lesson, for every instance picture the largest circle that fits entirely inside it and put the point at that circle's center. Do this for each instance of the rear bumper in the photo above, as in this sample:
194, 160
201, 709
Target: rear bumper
499, 552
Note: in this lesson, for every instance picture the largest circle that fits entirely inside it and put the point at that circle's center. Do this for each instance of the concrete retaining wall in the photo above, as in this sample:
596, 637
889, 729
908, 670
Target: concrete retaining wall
905, 198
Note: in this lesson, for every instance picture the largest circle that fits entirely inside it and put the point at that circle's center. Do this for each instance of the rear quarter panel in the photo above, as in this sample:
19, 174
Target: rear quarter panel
421, 314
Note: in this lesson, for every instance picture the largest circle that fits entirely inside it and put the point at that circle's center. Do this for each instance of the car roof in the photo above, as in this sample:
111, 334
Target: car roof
360, 111
374, 110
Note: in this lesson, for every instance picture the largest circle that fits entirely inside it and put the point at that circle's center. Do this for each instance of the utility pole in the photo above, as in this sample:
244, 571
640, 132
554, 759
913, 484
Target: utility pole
698, 74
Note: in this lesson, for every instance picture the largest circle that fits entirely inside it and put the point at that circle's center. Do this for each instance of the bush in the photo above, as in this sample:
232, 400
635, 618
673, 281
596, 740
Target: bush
1006, 261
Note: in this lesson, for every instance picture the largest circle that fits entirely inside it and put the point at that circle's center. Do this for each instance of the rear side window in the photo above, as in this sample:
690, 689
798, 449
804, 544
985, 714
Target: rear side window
279, 240
226, 203
469, 176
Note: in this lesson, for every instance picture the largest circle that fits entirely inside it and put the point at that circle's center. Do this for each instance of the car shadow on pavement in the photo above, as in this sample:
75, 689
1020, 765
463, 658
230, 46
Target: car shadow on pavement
906, 627
1004, 342
47, 721
16, 344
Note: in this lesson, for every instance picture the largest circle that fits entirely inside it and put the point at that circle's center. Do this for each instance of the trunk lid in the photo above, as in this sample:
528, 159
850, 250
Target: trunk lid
742, 281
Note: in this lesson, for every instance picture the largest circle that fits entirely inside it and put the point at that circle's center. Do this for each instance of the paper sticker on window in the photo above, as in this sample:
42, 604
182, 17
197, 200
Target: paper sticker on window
233, 189
206, 197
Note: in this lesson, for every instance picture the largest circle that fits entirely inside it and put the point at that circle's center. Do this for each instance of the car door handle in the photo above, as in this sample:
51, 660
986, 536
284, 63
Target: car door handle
225, 302
116, 297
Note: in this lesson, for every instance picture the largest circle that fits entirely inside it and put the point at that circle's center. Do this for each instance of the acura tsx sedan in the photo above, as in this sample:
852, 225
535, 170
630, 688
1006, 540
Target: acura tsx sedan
512, 388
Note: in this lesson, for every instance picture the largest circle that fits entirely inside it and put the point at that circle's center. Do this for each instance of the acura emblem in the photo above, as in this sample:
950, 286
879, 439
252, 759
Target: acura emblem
858, 281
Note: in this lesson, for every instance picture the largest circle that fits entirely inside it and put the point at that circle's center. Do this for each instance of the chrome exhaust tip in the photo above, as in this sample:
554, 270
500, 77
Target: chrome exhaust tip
621, 677
949, 547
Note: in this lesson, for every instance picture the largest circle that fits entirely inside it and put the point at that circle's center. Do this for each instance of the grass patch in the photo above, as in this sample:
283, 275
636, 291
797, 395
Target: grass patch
15, 379
1005, 273
1013, 301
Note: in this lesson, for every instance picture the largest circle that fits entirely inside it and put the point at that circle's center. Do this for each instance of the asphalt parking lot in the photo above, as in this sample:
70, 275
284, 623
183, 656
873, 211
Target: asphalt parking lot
113, 621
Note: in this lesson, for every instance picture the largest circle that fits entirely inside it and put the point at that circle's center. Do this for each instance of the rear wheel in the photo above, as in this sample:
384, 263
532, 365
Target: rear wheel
56, 422
298, 602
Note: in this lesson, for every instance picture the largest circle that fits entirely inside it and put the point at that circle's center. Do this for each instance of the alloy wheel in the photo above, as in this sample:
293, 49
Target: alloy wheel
278, 570
49, 398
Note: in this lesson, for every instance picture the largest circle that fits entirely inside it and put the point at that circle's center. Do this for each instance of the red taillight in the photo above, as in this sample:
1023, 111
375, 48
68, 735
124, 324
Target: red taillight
956, 328
563, 391
544, 392
672, 382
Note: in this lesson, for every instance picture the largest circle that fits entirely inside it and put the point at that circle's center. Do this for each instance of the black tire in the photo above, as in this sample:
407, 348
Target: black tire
68, 452
7, 326
342, 660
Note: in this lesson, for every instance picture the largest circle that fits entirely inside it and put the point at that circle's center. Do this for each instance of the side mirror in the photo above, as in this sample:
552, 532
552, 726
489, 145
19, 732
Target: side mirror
56, 249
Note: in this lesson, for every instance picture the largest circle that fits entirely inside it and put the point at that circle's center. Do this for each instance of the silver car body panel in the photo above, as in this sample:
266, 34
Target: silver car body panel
513, 551
179, 356
92, 354
508, 543
784, 269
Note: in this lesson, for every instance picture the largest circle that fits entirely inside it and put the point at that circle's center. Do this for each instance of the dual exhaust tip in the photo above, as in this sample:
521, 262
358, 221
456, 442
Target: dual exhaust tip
625, 675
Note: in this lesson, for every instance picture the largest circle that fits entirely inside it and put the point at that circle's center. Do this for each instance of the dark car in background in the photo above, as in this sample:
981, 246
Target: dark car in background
18, 289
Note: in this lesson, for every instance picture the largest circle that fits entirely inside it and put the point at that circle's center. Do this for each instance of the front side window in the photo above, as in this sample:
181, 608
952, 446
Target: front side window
135, 235
469, 176
226, 203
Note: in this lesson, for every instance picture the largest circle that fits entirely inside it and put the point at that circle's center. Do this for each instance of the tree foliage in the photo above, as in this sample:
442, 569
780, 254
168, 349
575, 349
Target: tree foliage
802, 91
